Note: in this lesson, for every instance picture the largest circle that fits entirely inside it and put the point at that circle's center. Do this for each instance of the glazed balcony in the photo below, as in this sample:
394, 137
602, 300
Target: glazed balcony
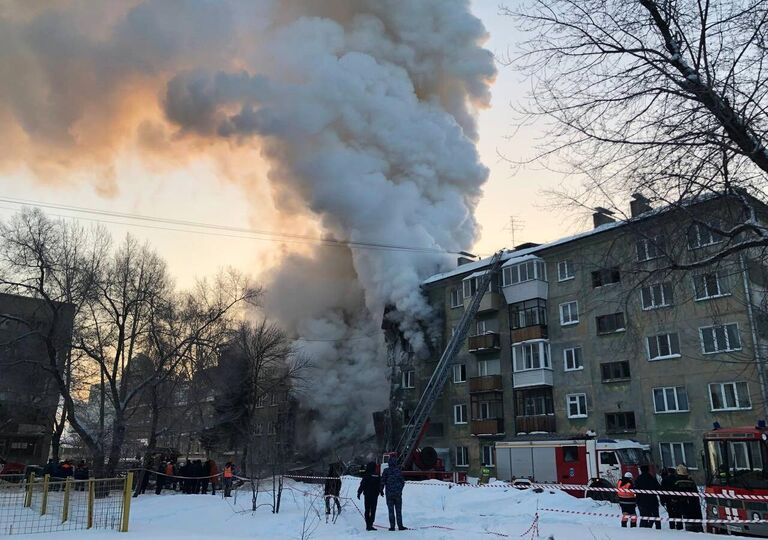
491, 301
528, 333
539, 422
487, 342
532, 377
487, 383
487, 427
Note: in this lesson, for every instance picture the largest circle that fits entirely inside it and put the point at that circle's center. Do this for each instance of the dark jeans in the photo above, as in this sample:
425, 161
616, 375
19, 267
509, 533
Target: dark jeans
204, 486
628, 514
159, 481
674, 513
649, 511
370, 511
227, 487
395, 506
335, 499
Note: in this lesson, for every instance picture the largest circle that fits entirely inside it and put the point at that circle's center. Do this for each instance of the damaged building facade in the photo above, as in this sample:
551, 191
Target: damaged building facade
596, 332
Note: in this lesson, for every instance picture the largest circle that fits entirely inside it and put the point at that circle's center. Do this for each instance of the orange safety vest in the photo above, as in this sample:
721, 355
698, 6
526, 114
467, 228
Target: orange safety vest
228, 472
624, 490
169, 469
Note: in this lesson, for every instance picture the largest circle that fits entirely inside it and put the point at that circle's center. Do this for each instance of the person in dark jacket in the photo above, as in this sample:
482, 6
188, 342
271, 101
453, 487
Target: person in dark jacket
392, 480
689, 506
81, 473
332, 490
671, 502
197, 474
184, 472
159, 478
370, 487
647, 504
627, 500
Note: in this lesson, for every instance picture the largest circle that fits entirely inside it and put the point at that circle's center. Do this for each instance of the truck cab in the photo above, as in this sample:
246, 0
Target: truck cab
619, 456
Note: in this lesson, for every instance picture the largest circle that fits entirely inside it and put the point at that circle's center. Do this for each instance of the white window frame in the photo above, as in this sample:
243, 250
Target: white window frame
489, 459
649, 245
535, 269
701, 226
459, 379
466, 287
462, 456
574, 356
409, 378
578, 400
571, 320
456, 296
735, 386
539, 351
657, 291
678, 390
713, 329
485, 372
565, 270
719, 280
460, 414
688, 461
669, 342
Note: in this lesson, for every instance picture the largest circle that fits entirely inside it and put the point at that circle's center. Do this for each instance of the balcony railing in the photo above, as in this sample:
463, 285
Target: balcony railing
532, 377
488, 426
491, 301
539, 422
483, 342
487, 383
529, 332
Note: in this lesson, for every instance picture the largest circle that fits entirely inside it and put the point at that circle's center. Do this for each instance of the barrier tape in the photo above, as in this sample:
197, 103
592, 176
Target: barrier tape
649, 518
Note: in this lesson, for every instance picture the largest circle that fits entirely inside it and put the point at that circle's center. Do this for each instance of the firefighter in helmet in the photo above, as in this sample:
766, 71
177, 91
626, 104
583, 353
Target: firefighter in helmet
627, 500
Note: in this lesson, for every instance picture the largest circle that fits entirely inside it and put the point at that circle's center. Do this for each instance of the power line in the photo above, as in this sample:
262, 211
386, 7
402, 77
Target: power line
202, 227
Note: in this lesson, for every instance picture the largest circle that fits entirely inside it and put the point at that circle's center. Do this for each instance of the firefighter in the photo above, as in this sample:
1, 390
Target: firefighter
647, 504
690, 507
370, 486
229, 475
393, 481
627, 500
672, 503
332, 490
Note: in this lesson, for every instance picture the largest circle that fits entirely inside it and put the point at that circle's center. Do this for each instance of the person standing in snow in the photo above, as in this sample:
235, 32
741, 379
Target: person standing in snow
690, 506
370, 486
627, 500
229, 474
647, 504
392, 480
332, 490
671, 502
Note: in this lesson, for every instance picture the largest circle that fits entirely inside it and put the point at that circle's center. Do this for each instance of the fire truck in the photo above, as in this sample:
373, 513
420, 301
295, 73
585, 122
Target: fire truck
581, 461
736, 461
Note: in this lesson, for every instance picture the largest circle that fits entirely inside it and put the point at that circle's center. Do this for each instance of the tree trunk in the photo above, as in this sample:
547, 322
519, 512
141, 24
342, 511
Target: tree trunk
58, 431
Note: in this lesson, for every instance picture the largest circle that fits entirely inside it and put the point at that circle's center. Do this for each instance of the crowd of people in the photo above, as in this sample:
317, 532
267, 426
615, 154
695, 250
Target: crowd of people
65, 469
677, 506
192, 477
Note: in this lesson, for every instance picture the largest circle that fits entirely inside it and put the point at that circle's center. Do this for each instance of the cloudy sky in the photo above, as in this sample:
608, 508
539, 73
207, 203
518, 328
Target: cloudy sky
188, 183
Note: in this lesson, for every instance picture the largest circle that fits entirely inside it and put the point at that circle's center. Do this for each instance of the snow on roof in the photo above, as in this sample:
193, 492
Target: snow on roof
520, 259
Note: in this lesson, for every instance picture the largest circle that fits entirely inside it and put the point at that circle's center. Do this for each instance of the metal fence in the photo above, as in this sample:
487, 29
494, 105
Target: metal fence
36, 505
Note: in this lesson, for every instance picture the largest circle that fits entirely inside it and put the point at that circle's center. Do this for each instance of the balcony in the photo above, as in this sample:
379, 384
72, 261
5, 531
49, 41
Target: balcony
487, 426
529, 332
532, 377
488, 383
487, 342
491, 301
539, 422
520, 292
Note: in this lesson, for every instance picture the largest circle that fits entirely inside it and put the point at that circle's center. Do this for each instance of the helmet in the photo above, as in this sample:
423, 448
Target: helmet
628, 475
681, 470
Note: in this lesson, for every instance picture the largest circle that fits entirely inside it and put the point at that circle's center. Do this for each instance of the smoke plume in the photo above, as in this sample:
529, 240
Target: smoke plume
363, 110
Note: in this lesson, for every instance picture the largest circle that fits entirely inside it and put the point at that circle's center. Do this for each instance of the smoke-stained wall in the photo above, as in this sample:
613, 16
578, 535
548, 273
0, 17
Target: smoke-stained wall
362, 109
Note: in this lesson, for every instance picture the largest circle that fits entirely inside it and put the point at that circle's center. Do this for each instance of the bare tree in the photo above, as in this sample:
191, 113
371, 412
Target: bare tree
666, 97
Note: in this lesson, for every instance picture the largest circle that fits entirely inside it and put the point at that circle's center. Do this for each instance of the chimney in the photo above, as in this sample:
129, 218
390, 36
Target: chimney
639, 204
466, 258
602, 216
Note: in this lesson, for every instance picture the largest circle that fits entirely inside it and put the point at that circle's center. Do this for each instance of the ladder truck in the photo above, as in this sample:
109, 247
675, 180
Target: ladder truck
406, 450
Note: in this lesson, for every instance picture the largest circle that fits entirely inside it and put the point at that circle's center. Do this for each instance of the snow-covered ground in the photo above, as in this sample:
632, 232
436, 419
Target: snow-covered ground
431, 511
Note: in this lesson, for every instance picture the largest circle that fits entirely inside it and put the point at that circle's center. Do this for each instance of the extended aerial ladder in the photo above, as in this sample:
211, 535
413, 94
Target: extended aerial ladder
414, 431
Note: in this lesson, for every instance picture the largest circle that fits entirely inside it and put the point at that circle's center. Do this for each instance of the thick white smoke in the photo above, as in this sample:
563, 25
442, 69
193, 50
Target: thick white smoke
364, 110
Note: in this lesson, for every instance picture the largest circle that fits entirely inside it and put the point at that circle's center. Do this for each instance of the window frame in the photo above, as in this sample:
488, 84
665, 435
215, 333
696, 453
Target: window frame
570, 271
462, 456
408, 379
668, 336
615, 379
570, 322
579, 364
693, 466
543, 355
664, 288
728, 348
459, 296
580, 398
599, 276
722, 288
677, 392
625, 414
618, 329
716, 238
649, 245
722, 385
463, 371
491, 462
464, 414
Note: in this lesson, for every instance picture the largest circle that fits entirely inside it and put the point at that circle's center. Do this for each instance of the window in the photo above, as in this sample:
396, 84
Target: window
701, 234
606, 276
528, 313
460, 414
572, 359
569, 313
565, 270
527, 271
657, 295
485, 326
608, 458
663, 346
676, 453
271, 428
409, 379
259, 429
619, 422
274, 399
462, 456
531, 355
729, 396
488, 367
670, 399
649, 248
534, 402
485, 410
615, 371
261, 401
457, 299
470, 287
709, 285
570, 454
459, 373
489, 456
613, 322
577, 405
720, 338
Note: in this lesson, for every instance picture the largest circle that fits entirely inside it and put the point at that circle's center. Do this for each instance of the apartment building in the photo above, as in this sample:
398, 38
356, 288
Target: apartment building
600, 332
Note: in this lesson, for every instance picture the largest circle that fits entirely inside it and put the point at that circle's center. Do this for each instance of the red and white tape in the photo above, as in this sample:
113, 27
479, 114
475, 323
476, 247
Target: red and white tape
641, 518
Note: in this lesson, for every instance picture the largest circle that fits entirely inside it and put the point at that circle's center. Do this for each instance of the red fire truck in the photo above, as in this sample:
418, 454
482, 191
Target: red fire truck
736, 461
